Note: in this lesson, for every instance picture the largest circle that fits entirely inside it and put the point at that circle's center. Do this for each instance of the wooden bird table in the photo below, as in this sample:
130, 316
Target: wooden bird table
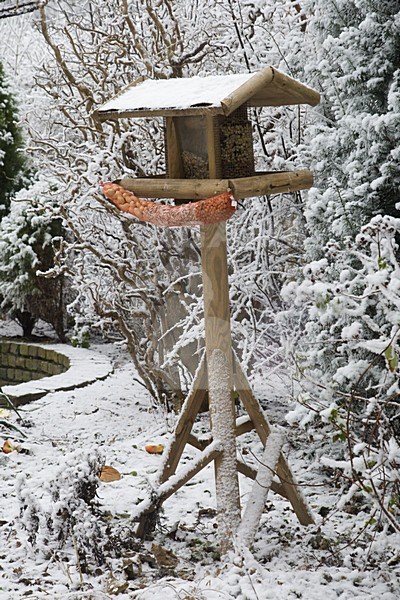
219, 374
208, 151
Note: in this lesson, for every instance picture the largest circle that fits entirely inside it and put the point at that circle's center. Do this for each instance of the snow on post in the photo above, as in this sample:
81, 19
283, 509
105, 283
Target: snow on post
223, 428
258, 496
220, 377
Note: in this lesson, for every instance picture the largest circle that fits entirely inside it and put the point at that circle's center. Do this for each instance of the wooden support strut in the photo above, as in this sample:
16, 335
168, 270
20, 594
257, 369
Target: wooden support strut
169, 481
185, 422
262, 484
291, 489
183, 428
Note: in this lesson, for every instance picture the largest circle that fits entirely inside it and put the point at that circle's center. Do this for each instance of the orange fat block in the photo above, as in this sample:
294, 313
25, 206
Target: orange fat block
204, 212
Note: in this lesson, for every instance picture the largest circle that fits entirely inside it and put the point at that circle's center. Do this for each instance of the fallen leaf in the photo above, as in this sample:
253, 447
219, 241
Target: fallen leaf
8, 447
154, 448
115, 587
4, 413
165, 558
108, 474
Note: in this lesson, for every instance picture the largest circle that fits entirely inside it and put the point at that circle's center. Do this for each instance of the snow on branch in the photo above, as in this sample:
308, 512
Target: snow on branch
13, 9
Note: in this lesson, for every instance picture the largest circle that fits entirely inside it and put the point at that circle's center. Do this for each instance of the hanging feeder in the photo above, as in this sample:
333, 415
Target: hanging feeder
205, 212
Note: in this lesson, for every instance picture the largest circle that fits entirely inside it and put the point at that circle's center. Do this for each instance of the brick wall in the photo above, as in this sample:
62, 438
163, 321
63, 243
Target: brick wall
20, 362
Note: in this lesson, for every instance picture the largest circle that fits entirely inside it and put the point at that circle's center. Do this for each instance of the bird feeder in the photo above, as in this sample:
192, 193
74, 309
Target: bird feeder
208, 135
209, 150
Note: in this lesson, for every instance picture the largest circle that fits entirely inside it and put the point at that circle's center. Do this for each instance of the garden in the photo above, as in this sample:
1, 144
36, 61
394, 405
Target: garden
199, 296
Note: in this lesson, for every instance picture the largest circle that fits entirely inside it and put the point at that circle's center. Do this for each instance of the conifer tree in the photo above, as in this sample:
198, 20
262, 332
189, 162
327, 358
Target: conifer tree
11, 157
355, 142
348, 296
354, 151
27, 234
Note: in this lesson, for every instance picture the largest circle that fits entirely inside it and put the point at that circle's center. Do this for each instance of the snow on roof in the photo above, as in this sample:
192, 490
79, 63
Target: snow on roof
176, 93
215, 94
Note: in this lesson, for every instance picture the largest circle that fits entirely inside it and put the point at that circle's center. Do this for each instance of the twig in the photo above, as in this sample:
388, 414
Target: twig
78, 562
10, 404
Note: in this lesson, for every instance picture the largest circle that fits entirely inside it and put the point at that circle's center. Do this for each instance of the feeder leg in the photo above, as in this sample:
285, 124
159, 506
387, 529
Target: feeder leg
256, 502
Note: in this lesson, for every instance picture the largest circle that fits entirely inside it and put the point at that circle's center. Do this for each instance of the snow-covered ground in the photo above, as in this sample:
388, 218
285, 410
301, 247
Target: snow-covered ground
340, 557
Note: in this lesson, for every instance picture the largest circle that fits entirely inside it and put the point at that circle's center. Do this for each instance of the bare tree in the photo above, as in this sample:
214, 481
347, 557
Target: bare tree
136, 277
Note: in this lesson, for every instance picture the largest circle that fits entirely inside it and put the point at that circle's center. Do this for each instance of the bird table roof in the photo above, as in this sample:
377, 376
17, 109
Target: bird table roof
215, 94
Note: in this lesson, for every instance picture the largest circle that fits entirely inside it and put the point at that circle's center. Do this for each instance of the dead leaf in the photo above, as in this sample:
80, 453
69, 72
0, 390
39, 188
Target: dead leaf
8, 447
164, 557
115, 587
154, 448
108, 474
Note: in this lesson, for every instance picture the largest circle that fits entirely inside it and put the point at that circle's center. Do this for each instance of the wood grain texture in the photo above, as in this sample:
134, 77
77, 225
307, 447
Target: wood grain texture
220, 381
173, 150
284, 90
291, 489
215, 289
271, 183
259, 184
185, 422
242, 94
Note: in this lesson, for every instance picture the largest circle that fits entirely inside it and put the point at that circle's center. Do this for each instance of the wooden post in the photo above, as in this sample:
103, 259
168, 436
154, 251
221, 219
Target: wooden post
172, 146
262, 484
220, 378
290, 488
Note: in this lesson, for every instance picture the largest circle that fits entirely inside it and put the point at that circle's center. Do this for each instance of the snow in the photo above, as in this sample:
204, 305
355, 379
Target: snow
355, 157
176, 93
115, 418
256, 502
223, 428
352, 331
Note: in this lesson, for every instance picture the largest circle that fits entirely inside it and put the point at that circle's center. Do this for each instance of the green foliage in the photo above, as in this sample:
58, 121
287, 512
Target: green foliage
392, 358
354, 142
72, 516
350, 366
27, 234
350, 344
11, 158
81, 337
